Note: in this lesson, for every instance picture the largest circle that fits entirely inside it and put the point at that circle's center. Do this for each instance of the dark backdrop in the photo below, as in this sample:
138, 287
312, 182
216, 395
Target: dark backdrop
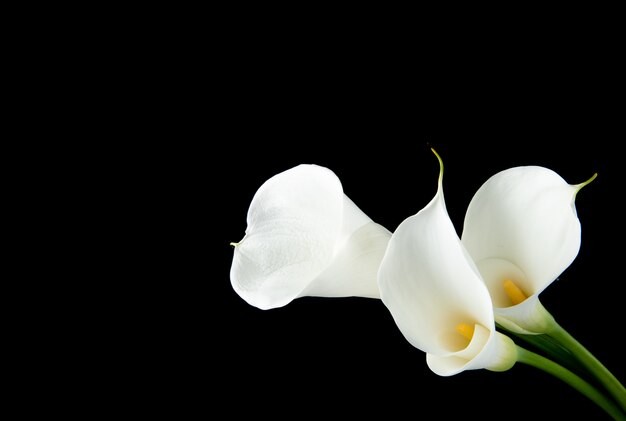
179, 118
256, 111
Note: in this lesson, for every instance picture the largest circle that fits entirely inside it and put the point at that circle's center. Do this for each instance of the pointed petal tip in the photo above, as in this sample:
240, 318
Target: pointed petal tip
584, 183
440, 164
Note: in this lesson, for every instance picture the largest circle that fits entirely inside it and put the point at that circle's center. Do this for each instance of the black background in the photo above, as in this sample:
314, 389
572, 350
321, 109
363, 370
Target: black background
369, 112
145, 134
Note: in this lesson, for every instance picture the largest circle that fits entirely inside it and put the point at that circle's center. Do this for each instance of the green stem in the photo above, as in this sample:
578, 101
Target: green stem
592, 364
549, 347
550, 367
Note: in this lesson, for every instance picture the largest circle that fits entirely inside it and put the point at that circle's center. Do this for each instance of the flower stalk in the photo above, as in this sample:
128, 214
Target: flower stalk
591, 363
540, 362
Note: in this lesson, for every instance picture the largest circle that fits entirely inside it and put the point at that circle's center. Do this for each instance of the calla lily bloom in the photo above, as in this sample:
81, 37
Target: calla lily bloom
305, 237
522, 231
437, 297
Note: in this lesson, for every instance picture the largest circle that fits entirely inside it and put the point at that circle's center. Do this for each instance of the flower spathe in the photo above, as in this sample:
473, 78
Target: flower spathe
437, 297
305, 237
522, 231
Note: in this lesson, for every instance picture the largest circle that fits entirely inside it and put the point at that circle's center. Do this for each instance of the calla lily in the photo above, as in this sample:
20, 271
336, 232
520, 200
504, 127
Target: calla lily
522, 231
305, 237
437, 297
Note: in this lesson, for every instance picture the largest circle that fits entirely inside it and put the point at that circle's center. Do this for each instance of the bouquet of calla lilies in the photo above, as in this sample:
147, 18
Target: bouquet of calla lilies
468, 303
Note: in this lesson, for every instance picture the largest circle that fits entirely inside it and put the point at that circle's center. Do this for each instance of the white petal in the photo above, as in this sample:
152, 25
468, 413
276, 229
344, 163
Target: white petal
306, 238
428, 283
529, 317
294, 221
488, 349
353, 219
522, 225
353, 270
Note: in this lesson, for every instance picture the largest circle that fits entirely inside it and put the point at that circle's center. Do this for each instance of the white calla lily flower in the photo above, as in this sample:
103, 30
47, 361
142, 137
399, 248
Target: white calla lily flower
522, 231
305, 237
437, 297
